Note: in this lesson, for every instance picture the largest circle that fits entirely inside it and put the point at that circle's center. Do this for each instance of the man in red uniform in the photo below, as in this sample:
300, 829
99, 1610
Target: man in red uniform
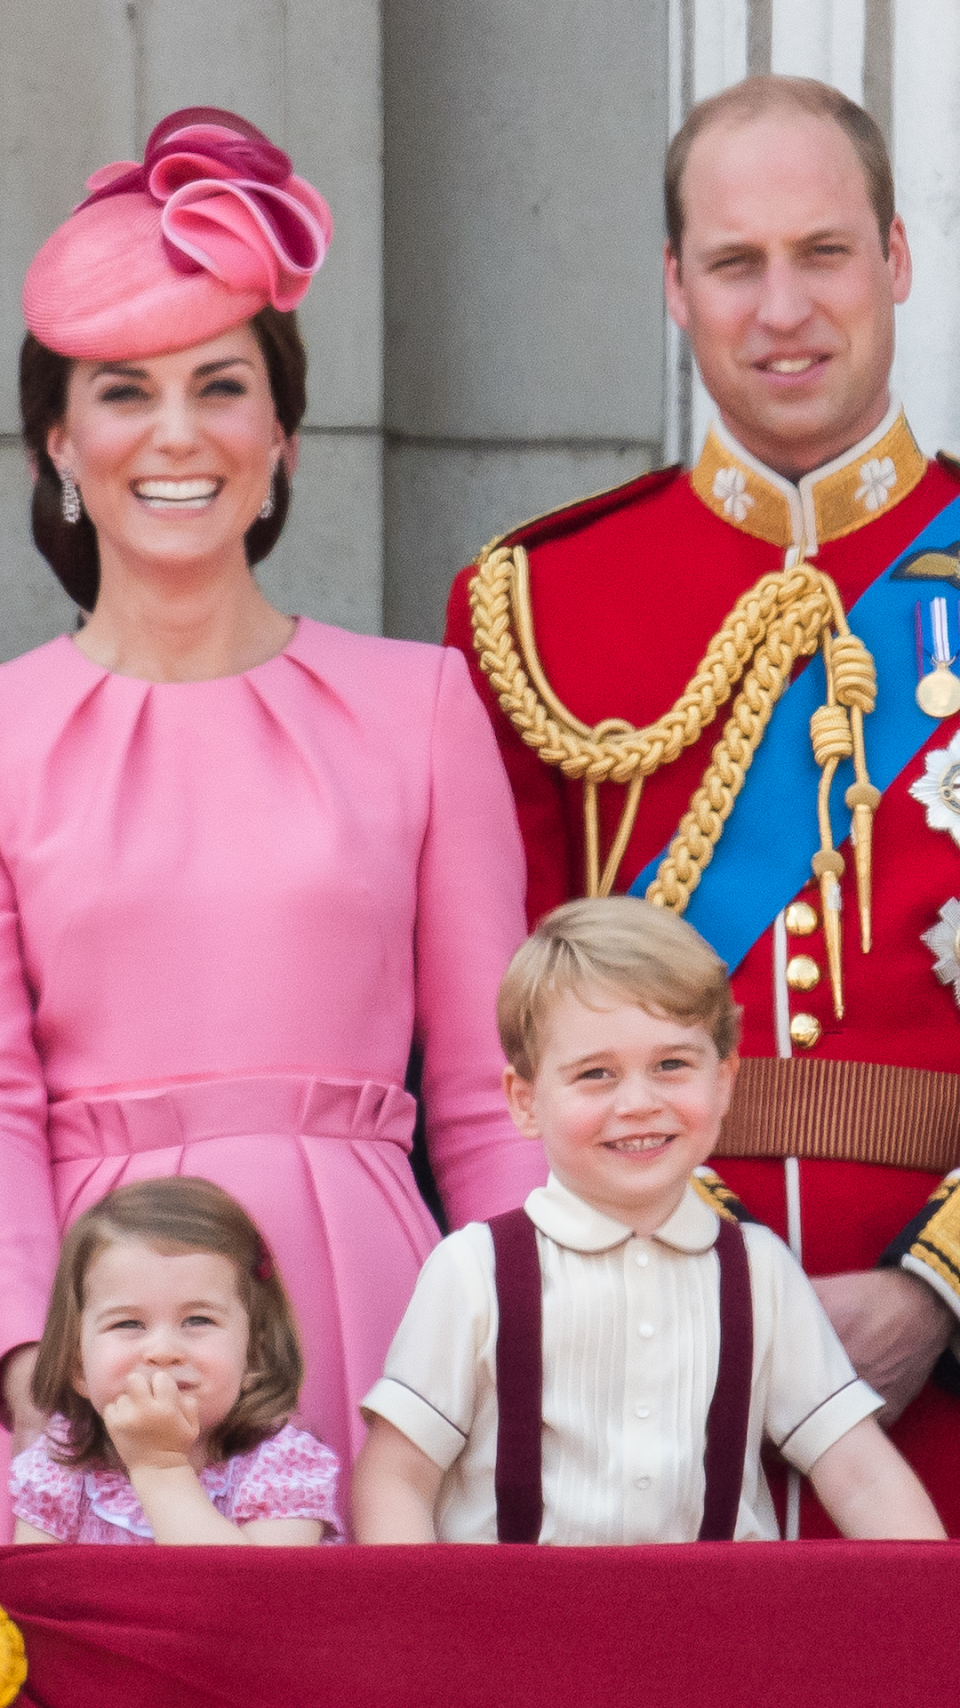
784, 262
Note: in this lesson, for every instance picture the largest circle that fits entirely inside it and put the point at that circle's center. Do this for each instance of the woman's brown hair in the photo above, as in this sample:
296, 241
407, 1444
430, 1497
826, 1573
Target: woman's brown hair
71, 547
174, 1214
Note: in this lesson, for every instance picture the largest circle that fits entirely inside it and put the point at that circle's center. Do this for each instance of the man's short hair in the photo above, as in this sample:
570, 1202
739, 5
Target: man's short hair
759, 95
636, 951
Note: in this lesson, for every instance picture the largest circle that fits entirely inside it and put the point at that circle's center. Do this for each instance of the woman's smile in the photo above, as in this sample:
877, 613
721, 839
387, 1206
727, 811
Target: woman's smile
188, 438
177, 494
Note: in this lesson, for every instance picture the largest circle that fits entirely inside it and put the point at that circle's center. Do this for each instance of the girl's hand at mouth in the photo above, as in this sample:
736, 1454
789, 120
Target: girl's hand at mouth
152, 1423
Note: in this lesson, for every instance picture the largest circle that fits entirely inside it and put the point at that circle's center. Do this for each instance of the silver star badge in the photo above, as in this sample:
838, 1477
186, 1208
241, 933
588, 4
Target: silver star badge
943, 941
939, 790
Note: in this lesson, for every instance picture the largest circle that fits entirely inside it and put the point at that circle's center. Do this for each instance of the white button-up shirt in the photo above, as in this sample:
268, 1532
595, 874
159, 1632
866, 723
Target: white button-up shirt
631, 1340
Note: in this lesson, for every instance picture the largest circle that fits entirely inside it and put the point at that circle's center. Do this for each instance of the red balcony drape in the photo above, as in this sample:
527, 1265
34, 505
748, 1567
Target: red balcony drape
830, 1624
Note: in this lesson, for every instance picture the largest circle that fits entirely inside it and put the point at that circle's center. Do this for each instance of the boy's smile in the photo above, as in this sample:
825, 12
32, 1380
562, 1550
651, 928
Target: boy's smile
627, 1103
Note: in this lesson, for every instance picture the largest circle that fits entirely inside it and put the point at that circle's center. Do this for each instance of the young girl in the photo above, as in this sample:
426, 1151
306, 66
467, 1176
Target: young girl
170, 1364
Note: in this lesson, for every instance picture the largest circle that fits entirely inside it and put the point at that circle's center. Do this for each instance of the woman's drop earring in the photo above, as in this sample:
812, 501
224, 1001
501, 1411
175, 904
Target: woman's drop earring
69, 497
269, 504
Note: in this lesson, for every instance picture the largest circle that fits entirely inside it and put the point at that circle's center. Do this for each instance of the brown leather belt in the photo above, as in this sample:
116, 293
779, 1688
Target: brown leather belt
845, 1112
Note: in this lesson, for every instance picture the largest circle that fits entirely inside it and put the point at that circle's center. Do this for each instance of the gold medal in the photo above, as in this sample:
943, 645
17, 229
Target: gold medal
939, 693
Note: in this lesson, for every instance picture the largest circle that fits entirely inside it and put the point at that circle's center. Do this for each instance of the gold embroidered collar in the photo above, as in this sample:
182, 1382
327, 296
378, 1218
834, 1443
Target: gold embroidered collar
831, 501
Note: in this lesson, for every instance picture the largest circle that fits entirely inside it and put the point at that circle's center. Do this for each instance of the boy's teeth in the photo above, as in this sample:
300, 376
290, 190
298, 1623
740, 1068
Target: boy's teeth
641, 1144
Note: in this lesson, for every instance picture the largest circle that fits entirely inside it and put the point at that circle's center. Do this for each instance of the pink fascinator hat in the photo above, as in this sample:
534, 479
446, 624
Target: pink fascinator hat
210, 229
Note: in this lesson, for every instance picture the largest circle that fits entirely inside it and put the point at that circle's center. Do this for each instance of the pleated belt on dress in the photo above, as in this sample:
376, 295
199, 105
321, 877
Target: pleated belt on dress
115, 1124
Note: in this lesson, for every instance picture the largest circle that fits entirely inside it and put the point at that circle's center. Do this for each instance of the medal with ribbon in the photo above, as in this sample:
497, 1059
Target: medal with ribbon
938, 690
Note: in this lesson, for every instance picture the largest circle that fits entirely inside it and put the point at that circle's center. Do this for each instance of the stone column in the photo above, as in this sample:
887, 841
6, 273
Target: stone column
926, 150
523, 306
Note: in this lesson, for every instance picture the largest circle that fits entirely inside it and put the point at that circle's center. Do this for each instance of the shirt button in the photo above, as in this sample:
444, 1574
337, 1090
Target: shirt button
643, 1258
641, 1483
645, 1331
643, 1411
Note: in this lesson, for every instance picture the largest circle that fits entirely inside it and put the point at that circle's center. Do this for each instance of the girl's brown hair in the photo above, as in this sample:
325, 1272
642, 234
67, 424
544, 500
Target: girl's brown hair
172, 1215
71, 548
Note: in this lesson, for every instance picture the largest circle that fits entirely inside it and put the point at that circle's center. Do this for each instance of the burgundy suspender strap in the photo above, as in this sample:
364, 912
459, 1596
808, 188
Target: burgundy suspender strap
730, 1407
519, 1481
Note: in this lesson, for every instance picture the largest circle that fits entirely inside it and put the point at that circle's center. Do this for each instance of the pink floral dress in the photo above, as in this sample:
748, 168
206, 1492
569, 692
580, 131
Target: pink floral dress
289, 1476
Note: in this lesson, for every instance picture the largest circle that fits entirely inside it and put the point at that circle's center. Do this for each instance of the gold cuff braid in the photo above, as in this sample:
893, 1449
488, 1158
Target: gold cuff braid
938, 1243
785, 616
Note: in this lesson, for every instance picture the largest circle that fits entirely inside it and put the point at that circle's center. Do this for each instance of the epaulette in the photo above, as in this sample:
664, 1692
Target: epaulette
567, 518
948, 461
707, 1183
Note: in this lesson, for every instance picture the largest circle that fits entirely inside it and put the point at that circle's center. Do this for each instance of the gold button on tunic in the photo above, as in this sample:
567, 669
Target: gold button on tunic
802, 972
801, 918
805, 1030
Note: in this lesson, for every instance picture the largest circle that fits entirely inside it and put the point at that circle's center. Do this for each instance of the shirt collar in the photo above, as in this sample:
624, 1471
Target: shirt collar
569, 1221
831, 501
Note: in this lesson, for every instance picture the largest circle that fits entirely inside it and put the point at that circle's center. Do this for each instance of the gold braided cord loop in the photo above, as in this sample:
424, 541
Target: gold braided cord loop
702, 824
830, 734
499, 596
785, 616
854, 673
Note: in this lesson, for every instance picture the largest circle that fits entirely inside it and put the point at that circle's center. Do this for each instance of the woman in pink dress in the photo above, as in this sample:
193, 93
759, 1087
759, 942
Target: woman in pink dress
245, 861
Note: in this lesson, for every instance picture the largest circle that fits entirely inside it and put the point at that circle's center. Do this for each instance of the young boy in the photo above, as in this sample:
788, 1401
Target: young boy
666, 1357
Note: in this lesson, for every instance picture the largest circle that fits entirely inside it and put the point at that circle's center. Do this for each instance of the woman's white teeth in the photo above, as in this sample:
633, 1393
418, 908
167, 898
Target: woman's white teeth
181, 492
798, 365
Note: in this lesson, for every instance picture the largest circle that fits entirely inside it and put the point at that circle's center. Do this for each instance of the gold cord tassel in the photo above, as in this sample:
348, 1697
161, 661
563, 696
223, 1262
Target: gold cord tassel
855, 685
828, 867
832, 741
836, 735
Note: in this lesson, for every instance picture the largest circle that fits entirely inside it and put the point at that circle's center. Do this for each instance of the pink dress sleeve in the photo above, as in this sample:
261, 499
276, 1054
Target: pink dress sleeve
292, 1475
470, 919
28, 1230
45, 1494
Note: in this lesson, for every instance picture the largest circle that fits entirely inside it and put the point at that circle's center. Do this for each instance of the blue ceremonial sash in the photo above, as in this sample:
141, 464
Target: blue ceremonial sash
763, 856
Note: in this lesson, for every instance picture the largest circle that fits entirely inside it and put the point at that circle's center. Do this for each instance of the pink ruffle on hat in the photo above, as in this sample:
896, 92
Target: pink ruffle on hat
210, 229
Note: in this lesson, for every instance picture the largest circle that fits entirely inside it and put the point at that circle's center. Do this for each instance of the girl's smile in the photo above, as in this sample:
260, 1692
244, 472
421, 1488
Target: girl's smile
148, 1311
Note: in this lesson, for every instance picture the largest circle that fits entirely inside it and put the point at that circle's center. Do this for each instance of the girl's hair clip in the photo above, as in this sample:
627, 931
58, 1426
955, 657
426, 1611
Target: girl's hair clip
263, 1268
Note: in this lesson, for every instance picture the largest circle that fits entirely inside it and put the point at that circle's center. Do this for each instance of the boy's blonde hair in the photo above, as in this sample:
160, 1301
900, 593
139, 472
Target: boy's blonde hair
635, 950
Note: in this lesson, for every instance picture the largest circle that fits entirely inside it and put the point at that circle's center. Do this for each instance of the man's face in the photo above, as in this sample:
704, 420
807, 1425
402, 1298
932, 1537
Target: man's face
783, 287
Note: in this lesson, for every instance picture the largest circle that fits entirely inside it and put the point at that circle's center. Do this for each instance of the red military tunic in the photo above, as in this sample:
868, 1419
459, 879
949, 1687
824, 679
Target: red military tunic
626, 590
